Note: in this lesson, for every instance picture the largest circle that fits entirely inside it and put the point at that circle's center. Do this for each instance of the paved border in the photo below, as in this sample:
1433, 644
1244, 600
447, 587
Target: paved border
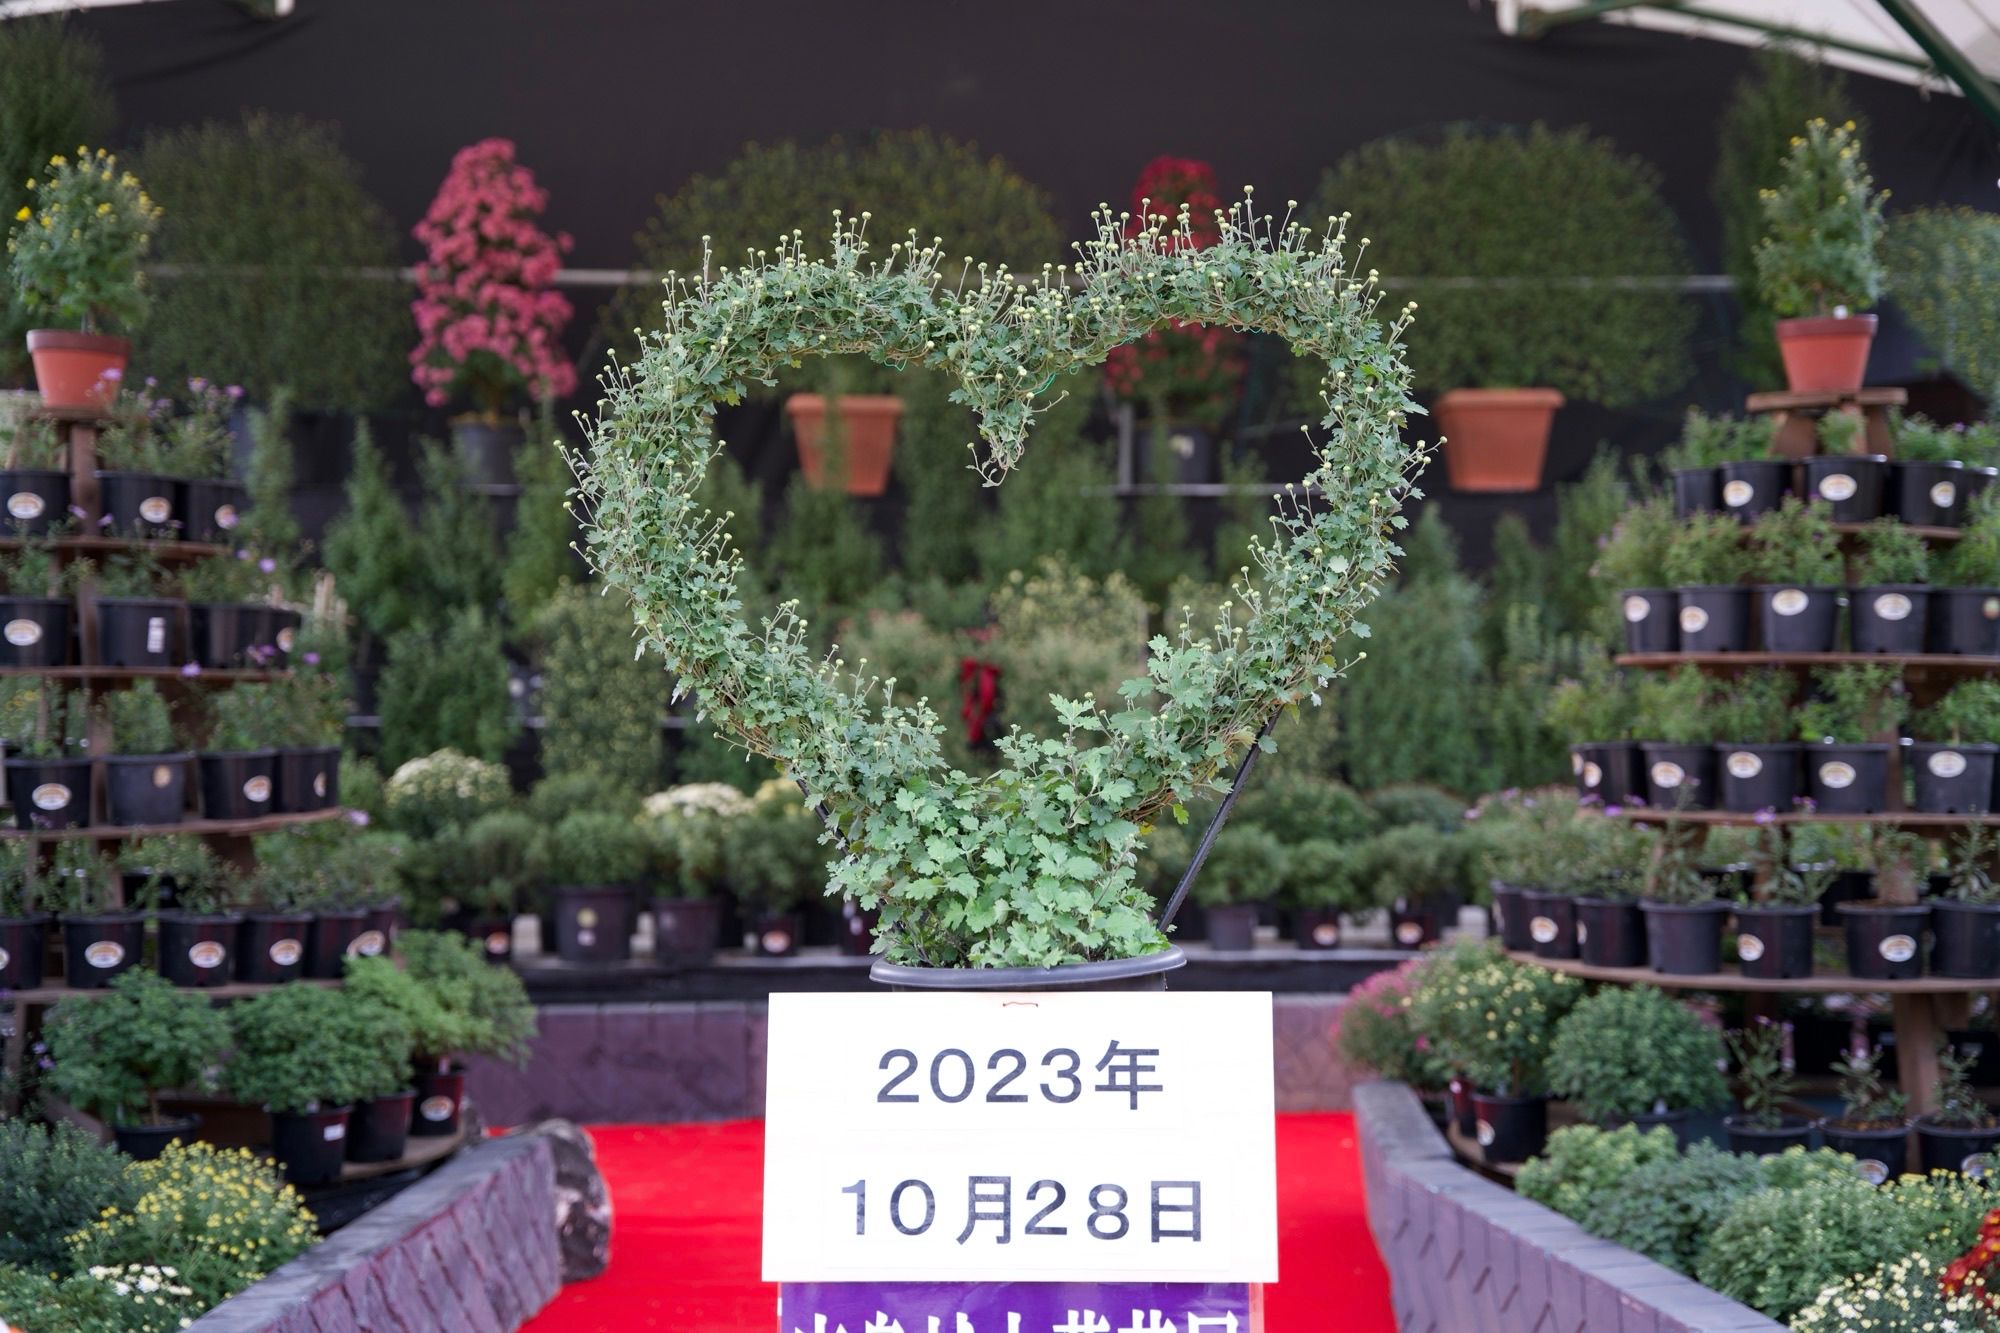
1465, 1253
471, 1248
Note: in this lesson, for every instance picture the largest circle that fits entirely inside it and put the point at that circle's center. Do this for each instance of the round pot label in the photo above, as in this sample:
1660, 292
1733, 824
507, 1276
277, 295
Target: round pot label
24, 633
50, 796
1666, 774
156, 509
104, 953
586, 937
286, 952
334, 1132
1593, 776
1897, 948
5, 958
1582, 932
163, 775
156, 634
1542, 930
437, 1109
1409, 932
1749, 948
1990, 608
319, 784
1789, 601
775, 941
1638, 608
368, 944
586, 917
25, 504
1872, 1171
1893, 606
1693, 620
206, 954
1738, 493
286, 638
1743, 764
497, 942
1837, 486
1325, 935
257, 790
225, 517
1836, 774
1576, 763
1974, 1166
1484, 1133
1943, 494
1946, 764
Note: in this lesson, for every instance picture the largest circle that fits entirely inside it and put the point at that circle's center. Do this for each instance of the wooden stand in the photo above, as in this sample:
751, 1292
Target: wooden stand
1797, 418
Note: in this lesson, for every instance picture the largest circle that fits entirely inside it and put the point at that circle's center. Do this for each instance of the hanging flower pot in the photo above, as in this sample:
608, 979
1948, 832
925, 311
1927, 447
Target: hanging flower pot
1951, 1148
1495, 439
139, 632
239, 784
378, 1129
1745, 1136
1891, 618
1965, 620
1826, 353
145, 1143
311, 1146
1884, 939
1775, 941
142, 504
1847, 779
271, 946
1953, 779
77, 370
330, 941
99, 946
1879, 1154
1750, 778
1753, 487
198, 949
1650, 620
49, 793
1610, 932
1696, 490
1684, 939
1509, 1129
1929, 494
868, 425
1714, 619
214, 508
1551, 923
23, 940
1679, 776
440, 1096
145, 788
1965, 938
1797, 620
1851, 484
486, 447
34, 500
35, 631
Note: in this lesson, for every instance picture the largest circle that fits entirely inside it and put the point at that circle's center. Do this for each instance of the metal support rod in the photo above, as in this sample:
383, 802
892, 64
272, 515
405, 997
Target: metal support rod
1215, 826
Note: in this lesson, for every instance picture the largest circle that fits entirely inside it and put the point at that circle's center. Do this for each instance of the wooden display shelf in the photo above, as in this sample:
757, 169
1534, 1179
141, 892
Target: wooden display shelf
1733, 980
1925, 531
418, 1153
1784, 400
198, 827
97, 673
1912, 819
164, 550
1796, 433
1954, 662
41, 997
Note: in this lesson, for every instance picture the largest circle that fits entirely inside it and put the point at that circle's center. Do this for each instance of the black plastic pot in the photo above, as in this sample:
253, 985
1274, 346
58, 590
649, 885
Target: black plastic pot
1610, 932
1316, 928
271, 946
1552, 923
1417, 921
493, 934
1977, 479
1965, 621
1965, 938
1797, 620
1775, 942
308, 778
277, 634
1684, 939
685, 930
1680, 1122
1792, 1131
854, 929
1847, 886
378, 931
593, 923
1879, 1154
239, 784
23, 940
1847, 779
1696, 490
1943, 1149
1952, 779
1928, 494
778, 934
440, 1098
1679, 776
1231, 927
1890, 618
214, 508
1755, 486
1458, 1097
311, 1146
1608, 771
139, 632
144, 1143
487, 449
379, 1129
141, 504
145, 788
1851, 484
330, 940
1145, 973
1649, 614
198, 949
1884, 940
1713, 619
1510, 1129
35, 631
1750, 778
98, 948
221, 634
1510, 912
49, 793
35, 499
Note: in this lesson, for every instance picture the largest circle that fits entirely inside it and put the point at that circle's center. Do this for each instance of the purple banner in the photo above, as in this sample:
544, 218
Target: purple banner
1015, 1307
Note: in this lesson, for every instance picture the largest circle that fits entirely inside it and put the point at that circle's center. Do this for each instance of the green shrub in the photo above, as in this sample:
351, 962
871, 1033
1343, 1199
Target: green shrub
458, 540
1707, 441
1494, 1023
300, 1047
1582, 1160
115, 1054
1665, 1209
1404, 803
540, 555
1968, 713
1294, 807
1059, 504
1754, 707
372, 546
601, 702
76, 246
1942, 264
1678, 707
1853, 704
125, 1298
596, 847
1822, 227
1632, 1051
1706, 551
1056, 632
825, 555
1891, 553
52, 1181
1244, 865
498, 860
139, 721
1635, 555
433, 1028
1796, 543
923, 661
490, 1002
445, 687
554, 799
1321, 874
426, 794
1587, 512
772, 858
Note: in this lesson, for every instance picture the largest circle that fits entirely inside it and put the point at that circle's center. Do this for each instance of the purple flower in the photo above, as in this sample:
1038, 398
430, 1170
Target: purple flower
1765, 816
312, 659
357, 816
76, 511
197, 385
242, 555
1614, 810
234, 391
112, 373
104, 522
191, 670
151, 382
268, 565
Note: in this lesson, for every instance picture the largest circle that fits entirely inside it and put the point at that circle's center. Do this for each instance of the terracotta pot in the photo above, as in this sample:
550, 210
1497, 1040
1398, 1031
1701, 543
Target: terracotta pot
869, 420
70, 366
1827, 353
1495, 439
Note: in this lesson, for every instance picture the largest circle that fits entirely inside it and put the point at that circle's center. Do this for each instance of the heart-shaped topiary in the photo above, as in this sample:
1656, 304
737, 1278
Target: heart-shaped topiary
1033, 864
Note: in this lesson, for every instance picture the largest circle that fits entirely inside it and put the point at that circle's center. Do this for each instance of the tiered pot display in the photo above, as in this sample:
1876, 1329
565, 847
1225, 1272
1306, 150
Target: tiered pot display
1680, 776
225, 635
1510, 911
594, 922
1608, 771
331, 938
378, 1130
440, 1095
1965, 620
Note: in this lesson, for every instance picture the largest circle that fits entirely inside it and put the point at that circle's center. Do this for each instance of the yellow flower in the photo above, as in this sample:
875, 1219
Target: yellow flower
24, 214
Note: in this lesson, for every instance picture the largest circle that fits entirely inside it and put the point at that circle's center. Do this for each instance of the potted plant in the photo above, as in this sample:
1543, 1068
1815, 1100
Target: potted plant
138, 625
1318, 881
38, 606
1775, 919
497, 862
34, 478
1720, 463
1244, 868
1873, 1124
139, 494
23, 921
1846, 727
479, 1010
101, 938
306, 1054
1505, 849
1929, 482
1892, 596
1634, 561
239, 764
1757, 762
193, 895
489, 320
1795, 556
1495, 1023
1631, 1055
277, 926
1952, 759
1705, 561
311, 870
775, 865
310, 714
145, 769
1410, 871
115, 1054
227, 598
595, 861
1965, 918
1962, 1128
1818, 265
47, 734
200, 446
1596, 706
1848, 851
1610, 927
1965, 596
1568, 853
1677, 713
1885, 934
1683, 914
1762, 1051
688, 830
378, 1129
75, 252
1849, 482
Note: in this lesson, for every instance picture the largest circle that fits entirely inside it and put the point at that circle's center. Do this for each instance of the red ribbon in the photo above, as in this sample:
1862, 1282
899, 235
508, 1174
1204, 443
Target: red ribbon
979, 693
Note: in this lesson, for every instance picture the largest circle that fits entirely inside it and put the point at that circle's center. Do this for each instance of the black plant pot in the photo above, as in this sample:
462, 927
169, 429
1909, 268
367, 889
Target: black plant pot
271, 946
239, 784
1797, 620
139, 632
593, 923
142, 504
1696, 490
1714, 619
1649, 614
1684, 939
1847, 779
1510, 911
1953, 779
1792, 1131
379, 1128
1510, 1129
23, 940
277, 634
1316, 928
854, 930
1680, 1122
145, 788
487, 449
1965, 621
493, 934
1943, 1149
1608, 771
1755, 486
144, 1143
198, 949
1552, 923
1459, 1097
1680, 776
1750, 778
308, 778
35, 631
1884, 940
1417, 921
1928, 494
98, 948
1879, 1154
686, 930
1610, 932
1848, 886
49, 793
778, 934
1891, 618
440, 1098
1965, 938
1232, 927
214, 509
378, 931
35, 499
1775, 942
1851, 484
221, 634
311, 1146
330, 941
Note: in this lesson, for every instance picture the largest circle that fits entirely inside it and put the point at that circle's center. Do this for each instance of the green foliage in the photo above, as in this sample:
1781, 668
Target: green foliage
824, 554
1942, 265
1891, 553
1822, 227
1404, 803
554, 799
300, 1047
445, 687
427, 794
1973, 561
246, 717
1764, 1070
1970, 867
596, 847
1796, 543
127, 1298
269, 527
201, 880
1954, 1100
772, 857
1410, 710
1707, 441
933, 462
1494, 1023
371, 548
540, 555
31, 570
1518, 578
1706, 551
1635, 556
498, 860
1853, 704
1583, 1161
139, 720
76, 245
1373, 1030
922, 660
1059, 633
1678, 707
1666, 1209
1163, 547
39, 721
53, 1181
688, 828
1521, 748
1866, 1101
1408, 861
1297, 806
1594, 704
601, 704
1631, 1051
459, 563
1753, 707
1969, 713
1321, 874
1244, 865
116, 1053
1587, 512
490, 1002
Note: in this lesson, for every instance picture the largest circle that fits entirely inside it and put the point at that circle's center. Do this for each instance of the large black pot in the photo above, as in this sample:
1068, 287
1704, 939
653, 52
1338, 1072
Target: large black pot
22, 942
1145, 973
97, 948
1928, 494
1847, 779
1945, 1149
198, 949
1231, 926
440, 1100
492, 932
271, 946
1418, 920
1851, 484
48, 793
1510, 911
330, 940
1965, 938
1793, 619
221, 634
33, 500
1552, 923
1649, 614
1953, 779
139, 632
1775, 942
1750, 778
1317, 928
239, 784
311, 1146
1696, 490
1608, 771
1510, 1129
378, 930
1879, 1154
1714, 619
145, 1143
1884, 940
214, 509
1793, 1131
308, 778
1679, 776
1965, 621
142, 504
1610, 932
379, 1128
1755, 486
277, 634
593, 923
1684, 939
145, 788
1891, 618
35, 631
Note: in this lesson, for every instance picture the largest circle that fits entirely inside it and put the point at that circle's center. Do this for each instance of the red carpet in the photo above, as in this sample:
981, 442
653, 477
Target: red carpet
687, 1200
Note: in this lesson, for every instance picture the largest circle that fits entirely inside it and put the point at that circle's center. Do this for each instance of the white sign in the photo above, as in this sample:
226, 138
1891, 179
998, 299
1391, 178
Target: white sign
1020, 1136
